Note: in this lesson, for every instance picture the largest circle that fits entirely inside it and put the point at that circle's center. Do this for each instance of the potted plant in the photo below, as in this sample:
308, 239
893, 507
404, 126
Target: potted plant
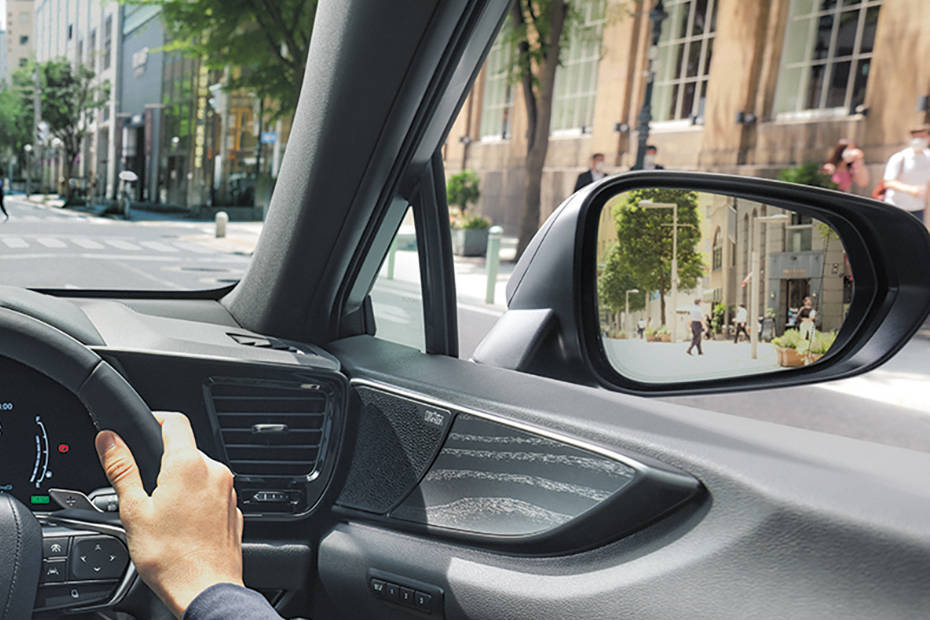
786, 347
664, 334
817, 346
469, 232
718, 317
650, 334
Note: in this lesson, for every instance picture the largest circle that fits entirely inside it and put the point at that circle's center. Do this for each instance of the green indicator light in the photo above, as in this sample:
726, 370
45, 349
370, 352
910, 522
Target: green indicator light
39, 499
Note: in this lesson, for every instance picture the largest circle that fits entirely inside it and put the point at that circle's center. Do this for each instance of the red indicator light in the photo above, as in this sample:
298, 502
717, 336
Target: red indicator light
63, 448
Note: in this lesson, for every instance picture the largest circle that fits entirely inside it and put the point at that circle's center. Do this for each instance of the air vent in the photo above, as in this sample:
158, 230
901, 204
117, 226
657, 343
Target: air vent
271, 429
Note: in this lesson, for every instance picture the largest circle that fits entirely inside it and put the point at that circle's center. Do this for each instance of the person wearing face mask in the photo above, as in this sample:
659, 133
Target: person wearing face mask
594, 173
907, 174
649, 159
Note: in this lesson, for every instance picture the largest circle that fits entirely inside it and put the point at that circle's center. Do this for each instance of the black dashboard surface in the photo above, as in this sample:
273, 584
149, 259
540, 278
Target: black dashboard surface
46, 438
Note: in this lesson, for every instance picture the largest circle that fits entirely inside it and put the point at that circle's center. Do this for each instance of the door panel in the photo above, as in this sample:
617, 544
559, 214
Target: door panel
794, 524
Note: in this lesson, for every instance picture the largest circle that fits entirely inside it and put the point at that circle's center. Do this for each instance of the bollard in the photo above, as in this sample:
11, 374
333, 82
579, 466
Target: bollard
221, 220
390, 262
492, 262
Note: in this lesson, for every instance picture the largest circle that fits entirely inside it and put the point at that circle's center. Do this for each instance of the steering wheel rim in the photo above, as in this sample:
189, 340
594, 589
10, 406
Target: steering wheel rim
113, 405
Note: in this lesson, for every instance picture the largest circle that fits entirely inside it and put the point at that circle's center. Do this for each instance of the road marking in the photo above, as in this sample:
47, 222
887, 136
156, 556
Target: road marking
51, 242
87, 243
119, 244
193, 247
15, 242
158, 246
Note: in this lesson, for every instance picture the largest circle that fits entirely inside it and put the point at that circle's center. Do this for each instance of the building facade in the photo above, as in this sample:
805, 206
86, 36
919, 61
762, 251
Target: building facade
17, 49
85, 32
742, 86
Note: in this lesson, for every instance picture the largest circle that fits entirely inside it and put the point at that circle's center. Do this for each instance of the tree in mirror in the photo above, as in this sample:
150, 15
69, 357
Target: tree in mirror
697, 286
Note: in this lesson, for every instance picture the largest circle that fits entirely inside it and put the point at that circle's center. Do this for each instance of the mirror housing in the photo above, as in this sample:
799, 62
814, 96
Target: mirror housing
551, 327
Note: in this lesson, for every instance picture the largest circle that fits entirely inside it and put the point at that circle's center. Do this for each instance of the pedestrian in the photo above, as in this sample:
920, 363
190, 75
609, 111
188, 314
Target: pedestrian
2, 207
697, 327
907, 175
805, 318
846, 166
649, 159
592, 174
641, 328
741, 319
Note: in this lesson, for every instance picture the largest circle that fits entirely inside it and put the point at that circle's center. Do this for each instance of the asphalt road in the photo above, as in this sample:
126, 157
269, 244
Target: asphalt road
44, 247
50, 248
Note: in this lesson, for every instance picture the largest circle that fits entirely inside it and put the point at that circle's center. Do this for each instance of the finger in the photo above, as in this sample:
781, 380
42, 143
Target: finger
176, 432
120, 467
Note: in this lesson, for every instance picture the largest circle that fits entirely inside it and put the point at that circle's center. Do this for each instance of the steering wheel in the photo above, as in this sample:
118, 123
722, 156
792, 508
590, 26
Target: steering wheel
114, 405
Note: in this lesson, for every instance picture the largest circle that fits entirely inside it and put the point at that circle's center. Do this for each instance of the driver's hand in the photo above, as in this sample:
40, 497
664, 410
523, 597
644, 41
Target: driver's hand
186, 536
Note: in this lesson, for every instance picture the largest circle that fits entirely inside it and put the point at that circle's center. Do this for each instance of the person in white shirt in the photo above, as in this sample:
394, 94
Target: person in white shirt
740, 320
907, 174
697, 327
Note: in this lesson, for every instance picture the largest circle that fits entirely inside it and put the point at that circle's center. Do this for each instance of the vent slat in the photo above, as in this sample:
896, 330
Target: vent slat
302, 411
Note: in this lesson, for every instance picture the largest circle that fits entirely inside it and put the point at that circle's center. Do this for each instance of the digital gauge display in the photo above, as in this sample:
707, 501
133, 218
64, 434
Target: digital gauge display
46, 438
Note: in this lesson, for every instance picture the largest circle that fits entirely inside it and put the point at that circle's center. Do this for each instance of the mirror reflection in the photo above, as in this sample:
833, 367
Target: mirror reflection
694, 285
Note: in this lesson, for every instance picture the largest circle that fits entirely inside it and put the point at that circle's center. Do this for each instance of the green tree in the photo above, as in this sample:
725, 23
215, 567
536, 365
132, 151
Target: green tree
462, 190
16, 112
644, 240
807, 174
265, 42
614, 281
70, 98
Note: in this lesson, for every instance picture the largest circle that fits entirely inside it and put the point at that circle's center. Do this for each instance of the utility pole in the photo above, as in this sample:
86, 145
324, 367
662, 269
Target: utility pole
657, 15
754, 281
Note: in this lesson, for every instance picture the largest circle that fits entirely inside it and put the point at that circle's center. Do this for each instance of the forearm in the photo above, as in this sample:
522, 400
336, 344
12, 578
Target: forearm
226, 601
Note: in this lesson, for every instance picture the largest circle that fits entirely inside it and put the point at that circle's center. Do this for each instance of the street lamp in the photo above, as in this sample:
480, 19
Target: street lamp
657, 15
28, 150
626, 315
754, 281
673, 293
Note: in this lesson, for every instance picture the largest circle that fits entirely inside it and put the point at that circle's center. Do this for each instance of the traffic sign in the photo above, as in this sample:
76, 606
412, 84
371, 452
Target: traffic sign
269, 136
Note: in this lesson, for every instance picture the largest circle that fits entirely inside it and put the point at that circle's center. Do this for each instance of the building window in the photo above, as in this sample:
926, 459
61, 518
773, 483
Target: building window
497, 100
799, 234
92, 50
70, 31
23, 62
827, 54
683, 59
717, 251
576, 77
107, 42
24, 39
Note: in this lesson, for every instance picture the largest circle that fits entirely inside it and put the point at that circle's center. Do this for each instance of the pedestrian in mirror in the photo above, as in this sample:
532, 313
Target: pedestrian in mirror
750, 287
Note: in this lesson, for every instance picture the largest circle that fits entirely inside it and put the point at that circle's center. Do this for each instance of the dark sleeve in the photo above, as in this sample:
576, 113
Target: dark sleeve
580, 182
225, 601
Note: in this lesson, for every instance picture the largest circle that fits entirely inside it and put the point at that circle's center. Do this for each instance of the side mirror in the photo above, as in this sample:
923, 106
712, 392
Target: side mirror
675, 282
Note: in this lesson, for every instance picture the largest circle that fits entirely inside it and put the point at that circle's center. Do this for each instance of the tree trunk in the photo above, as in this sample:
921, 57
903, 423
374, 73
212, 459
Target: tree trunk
67, 166
539, 108
662, 307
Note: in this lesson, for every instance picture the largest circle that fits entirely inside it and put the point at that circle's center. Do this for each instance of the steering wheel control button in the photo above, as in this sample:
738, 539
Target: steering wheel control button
106, 503
55, 547
54, 571
73, 594
98, 557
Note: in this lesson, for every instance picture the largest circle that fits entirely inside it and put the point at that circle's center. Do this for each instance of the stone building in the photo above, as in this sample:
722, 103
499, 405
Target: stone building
19, 37
742, 86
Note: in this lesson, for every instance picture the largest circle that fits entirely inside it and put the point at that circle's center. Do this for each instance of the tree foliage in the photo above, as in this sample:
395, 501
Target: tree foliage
70, 98
615, 280
266, 41
462, 190
16, 112
644, 240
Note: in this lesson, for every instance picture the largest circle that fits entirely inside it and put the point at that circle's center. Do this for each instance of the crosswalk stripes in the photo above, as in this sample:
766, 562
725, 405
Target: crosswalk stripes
15, 242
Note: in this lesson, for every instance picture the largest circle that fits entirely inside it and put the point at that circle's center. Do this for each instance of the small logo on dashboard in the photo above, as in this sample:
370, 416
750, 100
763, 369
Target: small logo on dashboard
433, 417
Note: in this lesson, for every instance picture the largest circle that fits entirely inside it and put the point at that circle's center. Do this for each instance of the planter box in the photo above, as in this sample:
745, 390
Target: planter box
665, 338
813, 357
650, 338
789, 357
469, 241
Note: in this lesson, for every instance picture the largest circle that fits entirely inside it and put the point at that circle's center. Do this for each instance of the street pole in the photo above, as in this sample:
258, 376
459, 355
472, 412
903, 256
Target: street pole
657, 15
674, 292
626, 315
755, 278
258, 146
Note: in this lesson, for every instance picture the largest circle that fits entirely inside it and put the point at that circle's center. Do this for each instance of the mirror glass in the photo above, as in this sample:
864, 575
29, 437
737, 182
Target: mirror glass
694, 286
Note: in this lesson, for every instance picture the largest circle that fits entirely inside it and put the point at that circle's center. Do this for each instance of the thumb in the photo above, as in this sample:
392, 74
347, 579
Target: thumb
120, 467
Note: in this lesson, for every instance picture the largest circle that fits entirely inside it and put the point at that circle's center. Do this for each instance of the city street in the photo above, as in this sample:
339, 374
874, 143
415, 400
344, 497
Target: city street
47, 247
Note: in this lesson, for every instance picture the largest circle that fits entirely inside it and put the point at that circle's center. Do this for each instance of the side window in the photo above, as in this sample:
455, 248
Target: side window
397, 297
